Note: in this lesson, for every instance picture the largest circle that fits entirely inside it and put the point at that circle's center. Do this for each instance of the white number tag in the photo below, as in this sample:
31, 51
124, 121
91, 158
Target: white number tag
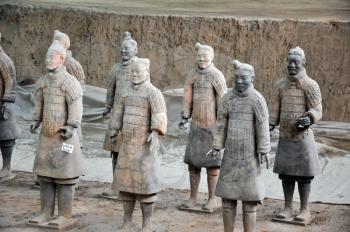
67, 148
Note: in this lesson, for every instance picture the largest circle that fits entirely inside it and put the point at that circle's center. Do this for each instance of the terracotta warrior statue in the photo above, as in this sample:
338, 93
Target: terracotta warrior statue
58, 162
9, 131
204, 86
72, 65
139, 115
119, 80
242, 128
296, 105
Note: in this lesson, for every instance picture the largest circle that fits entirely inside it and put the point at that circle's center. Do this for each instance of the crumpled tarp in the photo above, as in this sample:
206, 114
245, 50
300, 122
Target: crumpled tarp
332, 186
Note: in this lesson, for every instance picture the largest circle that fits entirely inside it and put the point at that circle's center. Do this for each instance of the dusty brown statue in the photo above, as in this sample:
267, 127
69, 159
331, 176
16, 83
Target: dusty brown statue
119, 80
204, 86
242, 128
9, 130
58, 162
296, 105
139, 117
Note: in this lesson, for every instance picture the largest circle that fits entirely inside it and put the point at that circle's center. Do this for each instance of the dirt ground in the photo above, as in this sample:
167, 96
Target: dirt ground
19, 201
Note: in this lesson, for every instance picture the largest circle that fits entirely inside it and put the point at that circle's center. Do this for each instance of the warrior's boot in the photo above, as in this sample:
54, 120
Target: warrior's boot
229, 214
65, 196
47, 201
212, 178
128, 211
195, 177
304, 192
288, 190
147, 211
5, 173
249, 215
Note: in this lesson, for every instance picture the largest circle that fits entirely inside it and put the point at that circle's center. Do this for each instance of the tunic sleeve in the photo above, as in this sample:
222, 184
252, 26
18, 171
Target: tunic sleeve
117, 115
262, 136
188, 96
39, 101
73, 92
314, 102
111, 85
8, 73
158, 112
275, 106
221, 123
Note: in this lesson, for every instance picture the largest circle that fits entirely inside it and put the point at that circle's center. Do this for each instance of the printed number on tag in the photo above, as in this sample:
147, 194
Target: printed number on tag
67, 148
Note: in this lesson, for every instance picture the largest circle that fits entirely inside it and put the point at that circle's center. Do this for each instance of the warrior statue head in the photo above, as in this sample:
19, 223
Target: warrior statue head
205, 55
244, 75
55, 56
140, 71
62, 38
128, 47
296, 60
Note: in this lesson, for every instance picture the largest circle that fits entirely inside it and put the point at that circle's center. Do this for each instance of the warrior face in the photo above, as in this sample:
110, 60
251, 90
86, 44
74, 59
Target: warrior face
295, 63
54, 60
139, 73
127, 50
204, 58
243, 80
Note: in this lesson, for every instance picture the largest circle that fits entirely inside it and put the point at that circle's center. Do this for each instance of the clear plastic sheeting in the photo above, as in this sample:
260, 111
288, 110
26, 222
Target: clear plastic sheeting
333, 142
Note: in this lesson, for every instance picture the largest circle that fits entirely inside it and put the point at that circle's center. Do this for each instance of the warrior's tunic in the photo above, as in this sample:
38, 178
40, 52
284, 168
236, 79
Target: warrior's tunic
242, 128
296, 150
118, 82
202, 91
58, 103
9, 130
136, 114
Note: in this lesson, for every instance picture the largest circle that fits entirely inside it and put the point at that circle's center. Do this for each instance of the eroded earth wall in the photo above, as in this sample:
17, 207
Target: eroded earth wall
169, 42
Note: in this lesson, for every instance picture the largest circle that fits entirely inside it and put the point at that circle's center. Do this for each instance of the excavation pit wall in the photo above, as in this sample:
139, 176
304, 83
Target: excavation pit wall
168, 41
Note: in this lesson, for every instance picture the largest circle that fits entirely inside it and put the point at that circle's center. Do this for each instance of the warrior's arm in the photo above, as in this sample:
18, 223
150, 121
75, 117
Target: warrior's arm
158, 112
111, 86
221, 124
188, 97
39, 101
74, 93
8, 72
262, 131
118, 113
314, 103
275, 107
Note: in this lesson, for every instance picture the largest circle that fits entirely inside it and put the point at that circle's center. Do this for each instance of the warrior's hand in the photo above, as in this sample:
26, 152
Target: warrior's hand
182, 123
106, 111
271, 127
304, 123
264, 157
215, 154
5, 110
66, 131
34, 126
153, 138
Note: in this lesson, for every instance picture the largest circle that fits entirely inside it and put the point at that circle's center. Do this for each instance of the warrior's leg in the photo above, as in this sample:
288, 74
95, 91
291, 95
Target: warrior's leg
147, 211
229, 214
195, 177
6, 152
288, 185
47, 201
114, 161
65, 196
249, 215
212, 177
128, 211
304, 192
